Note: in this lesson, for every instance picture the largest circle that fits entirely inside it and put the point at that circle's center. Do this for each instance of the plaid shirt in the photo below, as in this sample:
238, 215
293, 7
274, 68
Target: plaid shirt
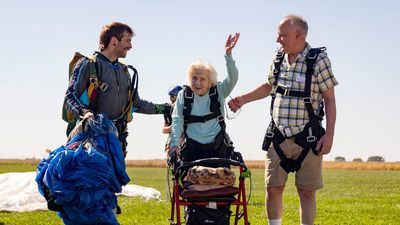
289, 113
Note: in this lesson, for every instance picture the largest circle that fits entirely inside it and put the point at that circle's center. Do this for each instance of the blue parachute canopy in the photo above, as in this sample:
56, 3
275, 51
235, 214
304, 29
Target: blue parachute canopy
83, 176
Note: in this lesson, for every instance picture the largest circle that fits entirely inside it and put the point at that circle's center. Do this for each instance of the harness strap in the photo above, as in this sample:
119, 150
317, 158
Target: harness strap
203, 119
188, 96
94, 85
215, 109
304, 141
280, 55
132, 92
289, 165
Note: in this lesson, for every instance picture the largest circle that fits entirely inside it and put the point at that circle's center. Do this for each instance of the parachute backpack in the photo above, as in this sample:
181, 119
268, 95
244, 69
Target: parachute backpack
94, 85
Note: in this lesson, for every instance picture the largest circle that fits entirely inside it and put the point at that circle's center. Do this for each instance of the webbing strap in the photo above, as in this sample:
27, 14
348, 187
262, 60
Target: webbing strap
310, 63
280, 55
289, 165
202, 119
94, 84
188, 96
132, 92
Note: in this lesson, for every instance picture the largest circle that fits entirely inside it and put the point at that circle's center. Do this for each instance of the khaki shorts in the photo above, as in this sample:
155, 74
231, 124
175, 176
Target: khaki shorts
309, 177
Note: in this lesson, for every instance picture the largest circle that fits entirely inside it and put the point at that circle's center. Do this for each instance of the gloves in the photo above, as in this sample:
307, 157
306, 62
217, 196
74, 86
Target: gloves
163, 108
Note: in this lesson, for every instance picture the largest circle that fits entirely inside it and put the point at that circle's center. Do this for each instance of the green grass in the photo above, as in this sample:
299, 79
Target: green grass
349, 197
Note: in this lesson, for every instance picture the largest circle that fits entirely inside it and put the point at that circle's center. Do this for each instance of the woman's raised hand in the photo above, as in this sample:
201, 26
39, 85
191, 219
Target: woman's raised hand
230, 43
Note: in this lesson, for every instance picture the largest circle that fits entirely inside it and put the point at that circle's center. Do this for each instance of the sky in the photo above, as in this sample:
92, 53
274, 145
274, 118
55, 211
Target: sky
39, 38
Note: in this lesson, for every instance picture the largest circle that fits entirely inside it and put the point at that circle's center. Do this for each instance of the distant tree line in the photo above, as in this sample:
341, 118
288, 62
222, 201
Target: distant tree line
374, 158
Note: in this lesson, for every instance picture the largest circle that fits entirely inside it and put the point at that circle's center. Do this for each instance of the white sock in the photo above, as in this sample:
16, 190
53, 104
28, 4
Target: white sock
275, 222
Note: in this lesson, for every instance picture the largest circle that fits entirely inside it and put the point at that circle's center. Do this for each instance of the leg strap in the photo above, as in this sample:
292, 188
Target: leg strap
307, 139
290, 165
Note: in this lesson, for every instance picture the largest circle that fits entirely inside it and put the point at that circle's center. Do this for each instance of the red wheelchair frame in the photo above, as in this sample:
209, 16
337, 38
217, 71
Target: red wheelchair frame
240, 201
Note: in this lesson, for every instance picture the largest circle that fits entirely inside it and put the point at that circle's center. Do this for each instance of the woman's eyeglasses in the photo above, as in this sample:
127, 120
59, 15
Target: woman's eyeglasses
230, 115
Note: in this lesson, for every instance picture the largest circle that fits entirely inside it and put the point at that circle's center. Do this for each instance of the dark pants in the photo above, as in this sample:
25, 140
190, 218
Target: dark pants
194, 150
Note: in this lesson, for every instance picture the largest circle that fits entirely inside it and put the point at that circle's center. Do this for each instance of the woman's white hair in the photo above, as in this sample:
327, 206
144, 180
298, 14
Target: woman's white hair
200, 67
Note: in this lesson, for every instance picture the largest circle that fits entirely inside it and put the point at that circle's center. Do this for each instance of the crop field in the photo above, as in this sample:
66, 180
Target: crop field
354, 193
253, 164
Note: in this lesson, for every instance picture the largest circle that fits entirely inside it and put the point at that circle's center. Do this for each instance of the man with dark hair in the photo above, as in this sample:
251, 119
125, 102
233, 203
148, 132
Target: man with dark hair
300, 81
101, 84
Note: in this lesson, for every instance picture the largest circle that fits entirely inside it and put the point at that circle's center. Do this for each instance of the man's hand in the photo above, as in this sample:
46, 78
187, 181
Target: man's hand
230, 43
88, 115
325, 144
166, 129
235, 103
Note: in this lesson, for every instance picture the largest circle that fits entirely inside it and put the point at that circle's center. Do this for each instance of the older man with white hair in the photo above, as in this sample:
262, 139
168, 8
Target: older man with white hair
300, 82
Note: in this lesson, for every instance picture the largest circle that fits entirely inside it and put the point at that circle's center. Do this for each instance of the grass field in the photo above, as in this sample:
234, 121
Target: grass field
349, 197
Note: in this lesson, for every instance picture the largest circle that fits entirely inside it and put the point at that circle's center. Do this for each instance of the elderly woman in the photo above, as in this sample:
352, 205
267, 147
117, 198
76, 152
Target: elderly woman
198, 126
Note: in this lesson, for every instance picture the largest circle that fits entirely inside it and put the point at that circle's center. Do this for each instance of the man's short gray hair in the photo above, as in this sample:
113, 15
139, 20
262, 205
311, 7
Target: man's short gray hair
297, 21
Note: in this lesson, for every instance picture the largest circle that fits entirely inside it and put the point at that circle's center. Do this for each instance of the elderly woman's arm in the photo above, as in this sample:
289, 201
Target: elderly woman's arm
230, 81
177, 123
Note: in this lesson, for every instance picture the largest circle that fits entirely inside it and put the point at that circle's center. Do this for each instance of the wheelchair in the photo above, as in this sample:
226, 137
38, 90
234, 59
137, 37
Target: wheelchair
209, 206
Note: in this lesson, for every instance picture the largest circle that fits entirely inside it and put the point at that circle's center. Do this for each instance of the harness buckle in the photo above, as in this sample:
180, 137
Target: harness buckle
307, 100
286, 92
269, 134
103, 86
283, 90
279, 54
313, 56
311, 139
94, 81
220, 118
187, 96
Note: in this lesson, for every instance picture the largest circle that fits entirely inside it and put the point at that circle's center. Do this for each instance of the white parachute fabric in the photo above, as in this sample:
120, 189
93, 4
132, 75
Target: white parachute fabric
19, 192
147, 193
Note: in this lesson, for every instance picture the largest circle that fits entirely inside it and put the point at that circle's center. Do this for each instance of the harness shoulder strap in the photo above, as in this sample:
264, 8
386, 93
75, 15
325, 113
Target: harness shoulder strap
311, 59
188, 96
279, 56
310, 63
132, 91
215, 107
94, 82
